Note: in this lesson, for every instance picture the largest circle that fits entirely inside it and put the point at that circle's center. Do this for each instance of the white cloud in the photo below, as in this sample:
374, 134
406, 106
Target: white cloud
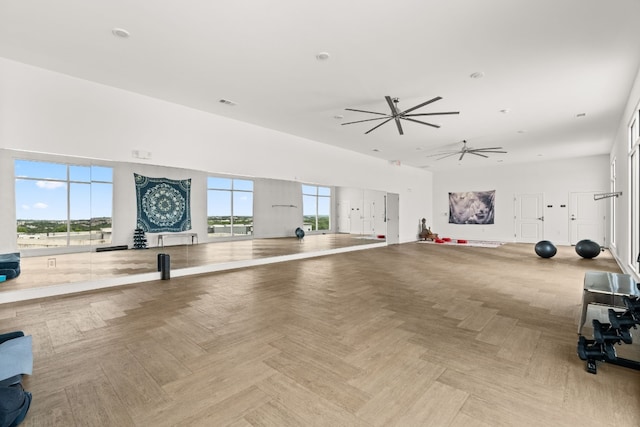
40, 205
50, 185
25, 207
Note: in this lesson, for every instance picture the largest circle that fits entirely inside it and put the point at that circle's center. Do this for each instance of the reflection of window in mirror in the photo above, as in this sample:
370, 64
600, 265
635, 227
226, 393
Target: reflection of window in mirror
316, 207
229, 207
62, 205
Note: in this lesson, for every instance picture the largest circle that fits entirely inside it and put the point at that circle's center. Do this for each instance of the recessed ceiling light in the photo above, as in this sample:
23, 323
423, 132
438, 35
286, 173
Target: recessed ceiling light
338, 117
581, 114
322, 56
227, 102
120, 32
504, 110
477, 75
376, 150
522, 131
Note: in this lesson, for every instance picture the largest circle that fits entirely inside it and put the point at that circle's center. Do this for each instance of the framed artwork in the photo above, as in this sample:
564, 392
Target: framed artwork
472, 207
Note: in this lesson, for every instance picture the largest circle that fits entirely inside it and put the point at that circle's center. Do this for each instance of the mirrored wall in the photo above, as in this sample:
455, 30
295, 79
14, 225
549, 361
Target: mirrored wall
76, 219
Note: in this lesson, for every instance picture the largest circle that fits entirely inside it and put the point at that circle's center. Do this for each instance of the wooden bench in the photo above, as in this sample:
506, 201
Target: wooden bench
161, 237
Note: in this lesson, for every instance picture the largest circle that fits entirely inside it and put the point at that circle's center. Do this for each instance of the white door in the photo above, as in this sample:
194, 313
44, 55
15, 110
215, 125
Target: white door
586, 218
529, 218
368, 212
355, 217
344, 213
392, 217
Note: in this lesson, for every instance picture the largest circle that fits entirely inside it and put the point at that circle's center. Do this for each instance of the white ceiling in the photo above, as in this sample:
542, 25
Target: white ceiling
545, 61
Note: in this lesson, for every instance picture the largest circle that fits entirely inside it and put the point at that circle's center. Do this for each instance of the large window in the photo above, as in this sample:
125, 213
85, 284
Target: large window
316, 207
229, 207
60, 204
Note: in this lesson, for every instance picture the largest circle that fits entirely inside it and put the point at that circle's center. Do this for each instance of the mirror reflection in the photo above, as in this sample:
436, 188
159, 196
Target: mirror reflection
81, 220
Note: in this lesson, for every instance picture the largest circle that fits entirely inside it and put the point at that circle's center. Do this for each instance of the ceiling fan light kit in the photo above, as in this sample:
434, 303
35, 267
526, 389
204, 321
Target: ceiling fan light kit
397, 115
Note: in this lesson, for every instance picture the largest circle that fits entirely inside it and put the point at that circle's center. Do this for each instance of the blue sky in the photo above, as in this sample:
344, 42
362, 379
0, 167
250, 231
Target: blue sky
46, 199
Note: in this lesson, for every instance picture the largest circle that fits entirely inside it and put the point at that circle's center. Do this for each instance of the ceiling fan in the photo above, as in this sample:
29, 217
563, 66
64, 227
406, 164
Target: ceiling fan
466, 150
398, 115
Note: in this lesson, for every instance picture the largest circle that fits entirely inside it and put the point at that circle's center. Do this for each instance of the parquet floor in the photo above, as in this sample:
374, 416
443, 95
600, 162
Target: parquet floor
405, 335
38, 271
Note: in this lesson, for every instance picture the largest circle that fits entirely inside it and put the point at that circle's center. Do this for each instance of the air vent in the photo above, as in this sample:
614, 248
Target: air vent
227, 102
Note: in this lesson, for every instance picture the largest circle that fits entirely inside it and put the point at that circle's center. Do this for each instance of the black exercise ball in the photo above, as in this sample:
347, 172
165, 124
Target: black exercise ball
545, 249
587, 248
299, 233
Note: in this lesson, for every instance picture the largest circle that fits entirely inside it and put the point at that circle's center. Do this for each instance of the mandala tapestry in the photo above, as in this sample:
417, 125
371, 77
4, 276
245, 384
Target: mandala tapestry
163, 204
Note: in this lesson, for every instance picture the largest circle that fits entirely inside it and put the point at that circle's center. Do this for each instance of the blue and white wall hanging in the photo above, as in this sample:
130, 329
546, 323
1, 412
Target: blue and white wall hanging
163, 204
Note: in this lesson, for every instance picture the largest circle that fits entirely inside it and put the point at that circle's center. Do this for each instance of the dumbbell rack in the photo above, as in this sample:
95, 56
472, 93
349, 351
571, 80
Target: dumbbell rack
606, 335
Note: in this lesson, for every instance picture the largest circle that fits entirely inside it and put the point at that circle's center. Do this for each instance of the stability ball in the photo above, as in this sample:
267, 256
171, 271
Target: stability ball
587, 248
299, 233
545, 249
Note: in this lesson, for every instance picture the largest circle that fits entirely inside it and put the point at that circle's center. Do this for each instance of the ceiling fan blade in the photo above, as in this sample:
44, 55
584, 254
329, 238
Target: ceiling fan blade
446, 155
376, 127
431, 114
418, 121
490, 151
394, 109
487, 148
399, 126
365, 120
437, 98
365, 111
477, 154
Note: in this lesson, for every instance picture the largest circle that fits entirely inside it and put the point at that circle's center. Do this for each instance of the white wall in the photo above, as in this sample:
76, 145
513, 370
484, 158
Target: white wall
554, 179
620, 153
48, 112
277, 208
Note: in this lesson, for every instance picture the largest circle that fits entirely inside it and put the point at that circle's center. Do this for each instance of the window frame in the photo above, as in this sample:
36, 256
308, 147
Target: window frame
320, 194
235, 188
75, 177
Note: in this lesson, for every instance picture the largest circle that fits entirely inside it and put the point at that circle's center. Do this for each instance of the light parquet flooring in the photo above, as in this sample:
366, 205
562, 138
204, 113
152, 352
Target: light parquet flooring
45, 270
406, 335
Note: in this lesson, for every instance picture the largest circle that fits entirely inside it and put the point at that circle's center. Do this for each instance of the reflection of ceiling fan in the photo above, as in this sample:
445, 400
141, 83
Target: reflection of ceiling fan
398, 115
466, 150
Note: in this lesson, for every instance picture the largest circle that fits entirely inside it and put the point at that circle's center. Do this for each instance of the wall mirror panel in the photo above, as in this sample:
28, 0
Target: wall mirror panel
76, 219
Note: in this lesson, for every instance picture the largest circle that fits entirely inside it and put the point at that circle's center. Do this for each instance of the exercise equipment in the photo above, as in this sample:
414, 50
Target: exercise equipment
606, 335
545, 249
587, 249
299, 233
16, 359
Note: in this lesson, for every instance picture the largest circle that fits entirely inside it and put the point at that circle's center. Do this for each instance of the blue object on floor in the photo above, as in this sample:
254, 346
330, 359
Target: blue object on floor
14, 399
3, 278
10, 265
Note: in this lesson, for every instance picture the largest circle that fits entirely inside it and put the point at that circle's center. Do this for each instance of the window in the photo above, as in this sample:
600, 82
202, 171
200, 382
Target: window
229, 207
613, 186
634, 192
60, 205
316, 207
